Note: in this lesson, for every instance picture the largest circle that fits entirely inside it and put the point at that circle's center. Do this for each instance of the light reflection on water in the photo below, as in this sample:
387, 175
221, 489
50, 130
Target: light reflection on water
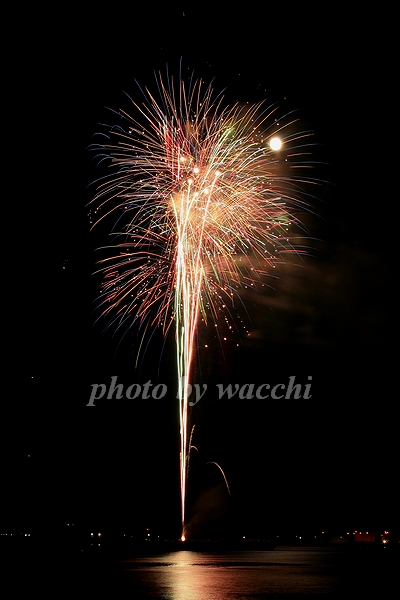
287, 573
187, 575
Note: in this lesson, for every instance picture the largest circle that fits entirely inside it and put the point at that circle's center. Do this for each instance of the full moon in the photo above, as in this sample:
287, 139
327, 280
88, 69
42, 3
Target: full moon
275, 143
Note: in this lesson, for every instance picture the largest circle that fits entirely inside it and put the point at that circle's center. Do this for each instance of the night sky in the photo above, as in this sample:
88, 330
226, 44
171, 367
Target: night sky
305, 464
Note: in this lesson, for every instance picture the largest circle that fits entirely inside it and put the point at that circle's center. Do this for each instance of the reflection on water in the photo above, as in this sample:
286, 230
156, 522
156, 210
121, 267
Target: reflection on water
188, 575
286, 572
191, 577
281, 573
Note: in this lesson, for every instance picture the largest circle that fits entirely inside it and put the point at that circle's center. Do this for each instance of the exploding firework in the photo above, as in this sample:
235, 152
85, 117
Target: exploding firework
206, 203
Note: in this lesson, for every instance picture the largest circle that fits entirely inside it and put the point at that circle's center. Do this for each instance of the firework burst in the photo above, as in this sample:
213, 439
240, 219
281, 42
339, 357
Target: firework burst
206, 207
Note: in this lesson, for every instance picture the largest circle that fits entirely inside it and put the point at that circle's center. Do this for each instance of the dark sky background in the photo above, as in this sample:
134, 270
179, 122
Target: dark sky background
326, 462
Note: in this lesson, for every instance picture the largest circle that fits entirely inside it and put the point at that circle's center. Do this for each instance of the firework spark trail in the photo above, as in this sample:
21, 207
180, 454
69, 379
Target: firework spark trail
199, 189
211, 462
